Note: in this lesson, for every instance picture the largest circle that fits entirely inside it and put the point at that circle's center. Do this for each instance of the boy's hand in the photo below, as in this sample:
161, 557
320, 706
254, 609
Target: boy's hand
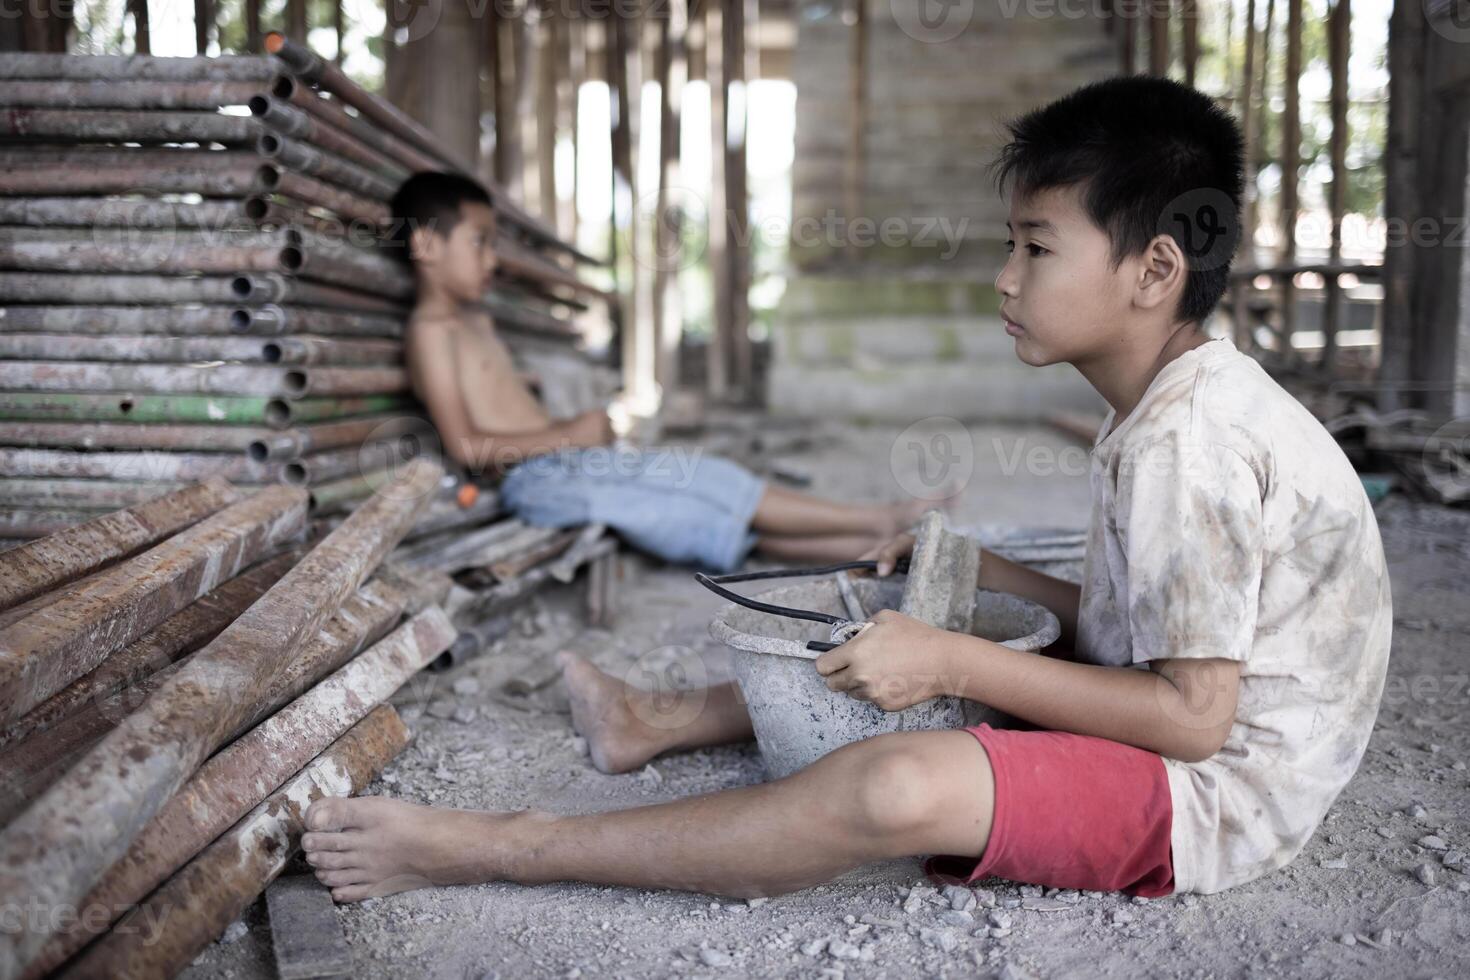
895, 662
592, 428
887, 555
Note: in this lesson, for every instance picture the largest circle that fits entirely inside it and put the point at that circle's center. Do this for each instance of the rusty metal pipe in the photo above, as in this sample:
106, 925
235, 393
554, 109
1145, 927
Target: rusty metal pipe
227, 68
125, 94
134, 125
98, 495
276, 178
331, 112
223, 379
286, 119
59, 847
59, 287
225, 878
235, 780
125, 348
181, 634
34, 568
277, 320
121, 212
277, 413
48, 647
307, 159
267, 287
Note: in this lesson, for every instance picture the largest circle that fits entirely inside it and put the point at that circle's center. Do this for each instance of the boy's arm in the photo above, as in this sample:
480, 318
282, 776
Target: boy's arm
1180, 708
432, 358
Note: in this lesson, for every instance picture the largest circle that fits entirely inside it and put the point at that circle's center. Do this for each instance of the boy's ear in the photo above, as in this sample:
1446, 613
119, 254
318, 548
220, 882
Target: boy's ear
423, 244
1162, 272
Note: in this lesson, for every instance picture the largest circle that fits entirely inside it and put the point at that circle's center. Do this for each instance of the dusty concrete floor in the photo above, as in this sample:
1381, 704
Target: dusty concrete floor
1369, 874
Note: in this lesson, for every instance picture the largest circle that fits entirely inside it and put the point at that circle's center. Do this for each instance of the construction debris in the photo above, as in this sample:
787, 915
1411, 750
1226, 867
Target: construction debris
305, 931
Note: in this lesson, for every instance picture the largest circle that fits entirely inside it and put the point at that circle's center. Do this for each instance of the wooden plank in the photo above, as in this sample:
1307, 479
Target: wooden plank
306, 934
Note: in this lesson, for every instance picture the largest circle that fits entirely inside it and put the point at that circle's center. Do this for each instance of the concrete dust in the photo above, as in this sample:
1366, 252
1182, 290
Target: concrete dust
1382, 888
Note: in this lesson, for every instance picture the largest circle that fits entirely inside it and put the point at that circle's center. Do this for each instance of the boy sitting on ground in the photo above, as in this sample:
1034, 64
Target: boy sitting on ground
564, 473
1232, 554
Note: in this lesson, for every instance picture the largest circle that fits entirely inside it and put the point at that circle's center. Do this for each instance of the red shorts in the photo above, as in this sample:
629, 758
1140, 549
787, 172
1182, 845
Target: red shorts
1072, 811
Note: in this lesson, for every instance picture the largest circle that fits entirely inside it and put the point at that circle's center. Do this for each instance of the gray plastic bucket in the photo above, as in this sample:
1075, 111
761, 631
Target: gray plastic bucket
797, 720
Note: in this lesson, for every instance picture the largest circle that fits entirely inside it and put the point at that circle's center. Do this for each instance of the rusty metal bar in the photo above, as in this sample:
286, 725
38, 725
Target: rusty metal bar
309, 67
446, 550
124, 94
16, 522
275, 320
335, 464
121, 212
58, 848
278, 179
227, 786
30, 766
336, 496
181, 634
446, 512
505, 596
517, 563
183, 172
276, 413
56, 287
223, 379
93, 320
342, 269
269, 287
228, 68
289, 443
140, 252
147, 466
211, 891
34, 568
110, 125
123, 348
102, 495
307, 159
330, 111
132, 435
517, 260
51, 646
284, 118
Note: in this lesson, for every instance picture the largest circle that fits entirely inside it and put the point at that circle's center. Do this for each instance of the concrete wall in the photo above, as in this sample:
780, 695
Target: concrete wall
890, 313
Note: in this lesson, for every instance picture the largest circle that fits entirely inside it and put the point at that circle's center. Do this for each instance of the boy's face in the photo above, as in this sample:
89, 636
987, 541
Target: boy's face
462, 262
1061, 298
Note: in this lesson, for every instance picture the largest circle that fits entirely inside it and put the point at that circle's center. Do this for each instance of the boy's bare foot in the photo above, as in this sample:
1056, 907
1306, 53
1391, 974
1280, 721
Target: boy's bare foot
605, 713
374, 846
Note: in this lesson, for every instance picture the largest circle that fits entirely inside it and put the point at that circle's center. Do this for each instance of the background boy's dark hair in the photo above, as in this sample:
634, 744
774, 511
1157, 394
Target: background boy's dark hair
1155, 157
430, 199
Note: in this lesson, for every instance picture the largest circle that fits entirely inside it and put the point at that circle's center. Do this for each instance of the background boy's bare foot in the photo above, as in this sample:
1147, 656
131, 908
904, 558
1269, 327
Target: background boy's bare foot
604, 713
374, 846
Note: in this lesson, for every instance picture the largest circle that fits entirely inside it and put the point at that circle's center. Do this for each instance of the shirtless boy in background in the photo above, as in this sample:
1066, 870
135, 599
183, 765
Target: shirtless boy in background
566, 472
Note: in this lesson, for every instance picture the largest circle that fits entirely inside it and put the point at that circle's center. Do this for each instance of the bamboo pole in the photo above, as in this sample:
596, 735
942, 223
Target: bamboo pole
220, 883
51, 646
236, 779
57, 850
32, 569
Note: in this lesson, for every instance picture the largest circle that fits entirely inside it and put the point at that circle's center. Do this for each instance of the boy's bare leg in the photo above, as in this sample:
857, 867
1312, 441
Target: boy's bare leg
625, 726
783, 511
815, 549
906, 793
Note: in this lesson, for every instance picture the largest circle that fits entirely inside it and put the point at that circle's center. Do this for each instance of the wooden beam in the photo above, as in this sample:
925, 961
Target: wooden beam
1158, 37
1291, 148
1339, 50
1189, 30
296, 21
255, 36
1406, 49
339, 22
547, 69
740, 70
671, 68
203, 24
142, 36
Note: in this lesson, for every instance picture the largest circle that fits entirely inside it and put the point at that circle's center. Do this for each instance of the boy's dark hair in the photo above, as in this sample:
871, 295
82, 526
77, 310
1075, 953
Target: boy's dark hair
1156, 157
430, 199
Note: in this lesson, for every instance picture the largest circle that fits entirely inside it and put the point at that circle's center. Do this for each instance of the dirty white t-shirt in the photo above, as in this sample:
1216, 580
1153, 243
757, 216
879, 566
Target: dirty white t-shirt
1226, 522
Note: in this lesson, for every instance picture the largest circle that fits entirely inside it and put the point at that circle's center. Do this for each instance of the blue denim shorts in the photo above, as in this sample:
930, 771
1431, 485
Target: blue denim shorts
683, 505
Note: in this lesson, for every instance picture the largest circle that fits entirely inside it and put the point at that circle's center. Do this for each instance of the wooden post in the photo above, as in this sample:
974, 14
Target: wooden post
1406, 29
1158, 37
718, 353
1128, 34
1189, 29
667, 228
547, 65
296, 25
857, 110
576, 75
339, 22
523, 73
740, 15
1291, 148
1246, 103
203, 21
1339, 34
255, 37
622, 54
142, 36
